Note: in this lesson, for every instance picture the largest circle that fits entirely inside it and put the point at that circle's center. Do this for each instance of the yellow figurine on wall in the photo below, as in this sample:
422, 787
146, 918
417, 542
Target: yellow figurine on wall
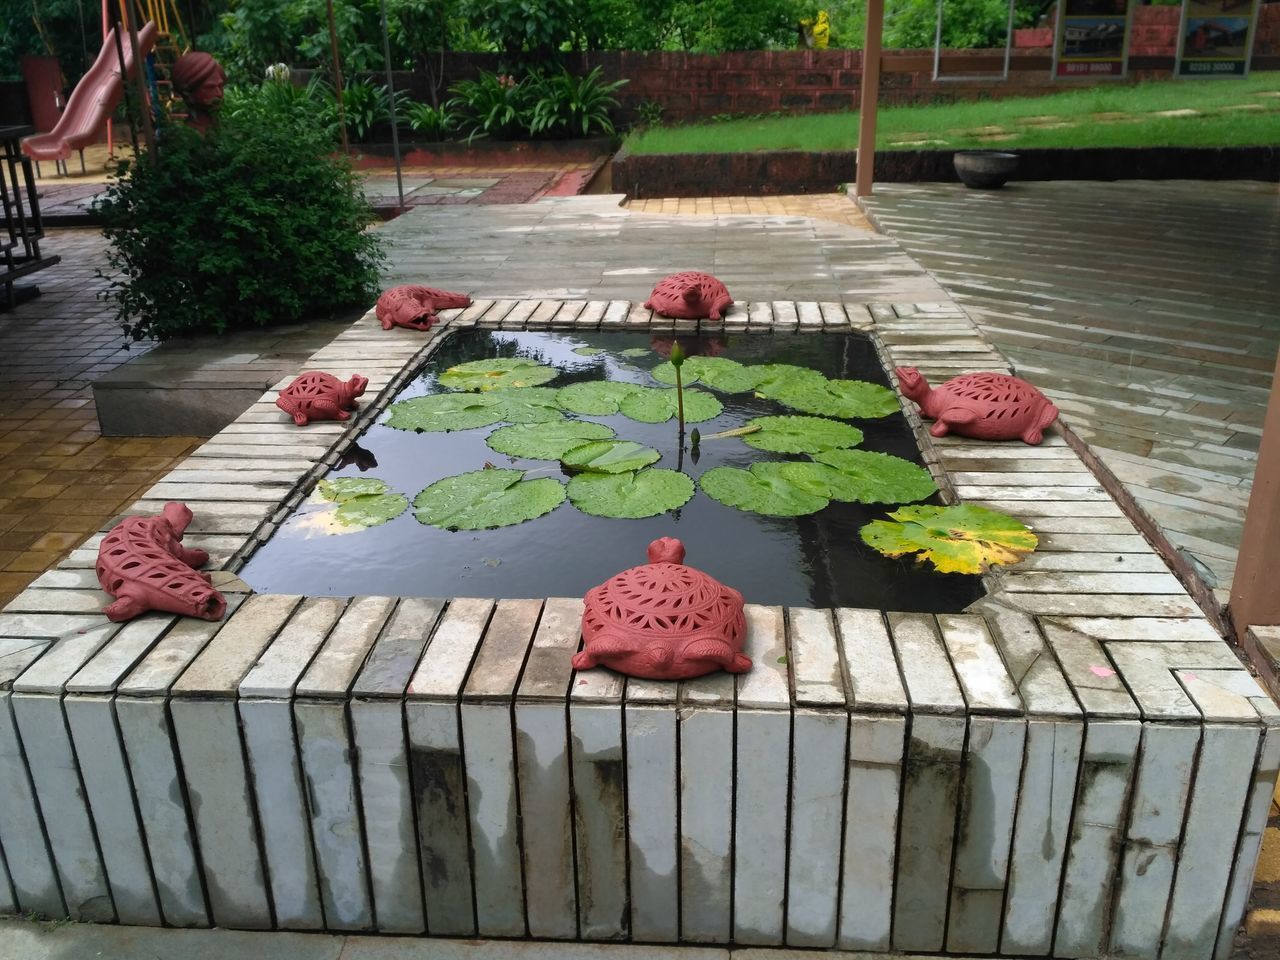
816, 33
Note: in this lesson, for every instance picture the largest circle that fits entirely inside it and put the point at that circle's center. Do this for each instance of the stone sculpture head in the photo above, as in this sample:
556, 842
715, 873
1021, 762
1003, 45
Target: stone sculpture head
198, 78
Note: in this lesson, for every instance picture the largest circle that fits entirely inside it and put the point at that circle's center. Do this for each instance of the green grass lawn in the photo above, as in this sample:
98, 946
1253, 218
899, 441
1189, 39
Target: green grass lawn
1099, 116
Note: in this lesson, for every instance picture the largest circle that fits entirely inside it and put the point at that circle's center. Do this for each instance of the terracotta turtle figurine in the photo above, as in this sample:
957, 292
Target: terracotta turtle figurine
316, 395
143, 564
663, 621
984, 406
413, 306
689, 296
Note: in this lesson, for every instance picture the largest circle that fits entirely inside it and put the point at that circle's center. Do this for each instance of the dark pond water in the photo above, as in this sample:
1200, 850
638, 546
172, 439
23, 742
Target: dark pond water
817, 560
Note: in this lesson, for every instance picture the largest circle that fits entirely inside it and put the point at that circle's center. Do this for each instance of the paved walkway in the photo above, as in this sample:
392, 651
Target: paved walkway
1149, 312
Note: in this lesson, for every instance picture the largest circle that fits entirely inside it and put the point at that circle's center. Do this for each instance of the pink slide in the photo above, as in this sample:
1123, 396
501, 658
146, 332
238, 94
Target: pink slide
92, 102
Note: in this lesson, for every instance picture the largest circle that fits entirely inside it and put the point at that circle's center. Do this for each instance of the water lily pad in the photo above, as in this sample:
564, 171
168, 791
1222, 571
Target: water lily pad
877, 477
342, 489
801, 434
371, 511
655, 405
762, 489
610, 456
498, 374
546, 441
635, 352
630, 496
445, 411
719, 373
588, 351
529, 404
777, 377
483, 499
853, 399
596, 398
957, 539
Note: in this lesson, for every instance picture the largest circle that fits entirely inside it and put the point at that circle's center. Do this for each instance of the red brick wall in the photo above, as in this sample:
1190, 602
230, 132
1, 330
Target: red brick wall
692, 86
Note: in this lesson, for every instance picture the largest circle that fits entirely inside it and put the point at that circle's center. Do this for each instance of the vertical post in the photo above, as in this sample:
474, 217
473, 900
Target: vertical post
870, 97
391, 94
1254, 599
337, 79
140, 83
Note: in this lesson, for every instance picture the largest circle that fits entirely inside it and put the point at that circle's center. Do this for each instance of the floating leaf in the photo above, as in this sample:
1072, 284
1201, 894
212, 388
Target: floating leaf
719, 373
761, 489
499, 374
610, 456
801, 434
635, 352
630, 496
776, 377
655, 405
445, 411
529, 404
958, 539
483, 499
546, 441
878, 477
596, 398
854, 399
342, 489
371, 511
588, 351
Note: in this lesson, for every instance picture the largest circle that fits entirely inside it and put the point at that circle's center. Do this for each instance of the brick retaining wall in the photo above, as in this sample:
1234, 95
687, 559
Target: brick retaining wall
697, 85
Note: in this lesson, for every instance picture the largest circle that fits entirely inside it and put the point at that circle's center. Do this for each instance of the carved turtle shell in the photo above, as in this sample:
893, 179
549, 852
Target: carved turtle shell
690, 295
983, 406
663, 621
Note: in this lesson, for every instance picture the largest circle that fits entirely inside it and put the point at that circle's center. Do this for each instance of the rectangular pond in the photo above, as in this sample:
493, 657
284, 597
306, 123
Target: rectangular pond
815, 559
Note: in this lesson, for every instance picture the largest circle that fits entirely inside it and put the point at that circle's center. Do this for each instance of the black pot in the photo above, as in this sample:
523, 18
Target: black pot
984, 169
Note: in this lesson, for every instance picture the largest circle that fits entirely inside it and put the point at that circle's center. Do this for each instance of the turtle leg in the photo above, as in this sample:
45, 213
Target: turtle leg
127, 605
718, 652
193, 557
1035, 433
950, 418
602, 649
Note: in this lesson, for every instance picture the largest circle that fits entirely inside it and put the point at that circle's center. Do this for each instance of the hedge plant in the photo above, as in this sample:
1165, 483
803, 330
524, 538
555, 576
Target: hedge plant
255, 223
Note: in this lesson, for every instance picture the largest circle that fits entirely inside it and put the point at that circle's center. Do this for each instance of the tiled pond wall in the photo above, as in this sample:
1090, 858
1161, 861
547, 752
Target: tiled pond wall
1075, 766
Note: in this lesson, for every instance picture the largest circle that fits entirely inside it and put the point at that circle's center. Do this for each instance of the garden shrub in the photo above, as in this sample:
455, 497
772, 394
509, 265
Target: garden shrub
565, 105
251, 225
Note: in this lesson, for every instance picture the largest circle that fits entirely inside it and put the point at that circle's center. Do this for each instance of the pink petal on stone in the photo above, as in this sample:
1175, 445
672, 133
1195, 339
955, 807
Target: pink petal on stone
1102, 671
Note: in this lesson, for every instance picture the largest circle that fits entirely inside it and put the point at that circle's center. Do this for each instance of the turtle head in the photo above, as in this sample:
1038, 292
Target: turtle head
356, 386
666, 550
912, 383
177, 515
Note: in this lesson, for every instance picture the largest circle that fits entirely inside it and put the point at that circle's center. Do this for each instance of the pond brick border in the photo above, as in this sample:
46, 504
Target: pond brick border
1076, 765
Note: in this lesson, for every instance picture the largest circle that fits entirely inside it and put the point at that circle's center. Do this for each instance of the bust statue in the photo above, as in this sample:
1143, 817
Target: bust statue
198, 78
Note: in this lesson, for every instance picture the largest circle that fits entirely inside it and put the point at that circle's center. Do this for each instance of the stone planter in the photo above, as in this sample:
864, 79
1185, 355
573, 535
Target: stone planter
985, 169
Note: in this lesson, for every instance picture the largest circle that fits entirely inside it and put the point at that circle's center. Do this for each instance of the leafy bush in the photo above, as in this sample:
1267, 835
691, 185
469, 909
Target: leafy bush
566, 105
368, 106
434, 123
250, 225
493, 105
278, 102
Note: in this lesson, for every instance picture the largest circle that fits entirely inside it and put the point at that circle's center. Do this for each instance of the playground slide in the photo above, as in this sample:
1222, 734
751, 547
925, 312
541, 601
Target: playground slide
92, 101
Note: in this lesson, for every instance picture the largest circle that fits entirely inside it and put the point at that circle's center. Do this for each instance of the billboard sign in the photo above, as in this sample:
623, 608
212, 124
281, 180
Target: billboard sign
1092, 38
1215, 38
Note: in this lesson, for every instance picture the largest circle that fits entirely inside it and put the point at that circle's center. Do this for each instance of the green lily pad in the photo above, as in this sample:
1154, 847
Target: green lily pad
442, 412
499, 374
371, 511
878, 477
630, 496
342, 489
801, 434
852, 399
635, 352
546, 441
596, 398
483, 499
778, 377
610, 456
719, 373
762, 489
529, 404
957, 539
655, 405
588, 351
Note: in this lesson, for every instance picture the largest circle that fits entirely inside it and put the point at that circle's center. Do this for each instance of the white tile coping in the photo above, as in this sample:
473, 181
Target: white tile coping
1067, 768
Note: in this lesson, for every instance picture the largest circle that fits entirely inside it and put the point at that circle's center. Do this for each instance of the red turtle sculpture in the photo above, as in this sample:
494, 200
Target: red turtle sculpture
143, 564
415, 307
984, 406
689, 296
320, 396
663, 621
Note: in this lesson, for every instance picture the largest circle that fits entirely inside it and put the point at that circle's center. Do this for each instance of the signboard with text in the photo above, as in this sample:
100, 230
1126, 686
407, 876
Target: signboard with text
1216, 37
1092, 38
